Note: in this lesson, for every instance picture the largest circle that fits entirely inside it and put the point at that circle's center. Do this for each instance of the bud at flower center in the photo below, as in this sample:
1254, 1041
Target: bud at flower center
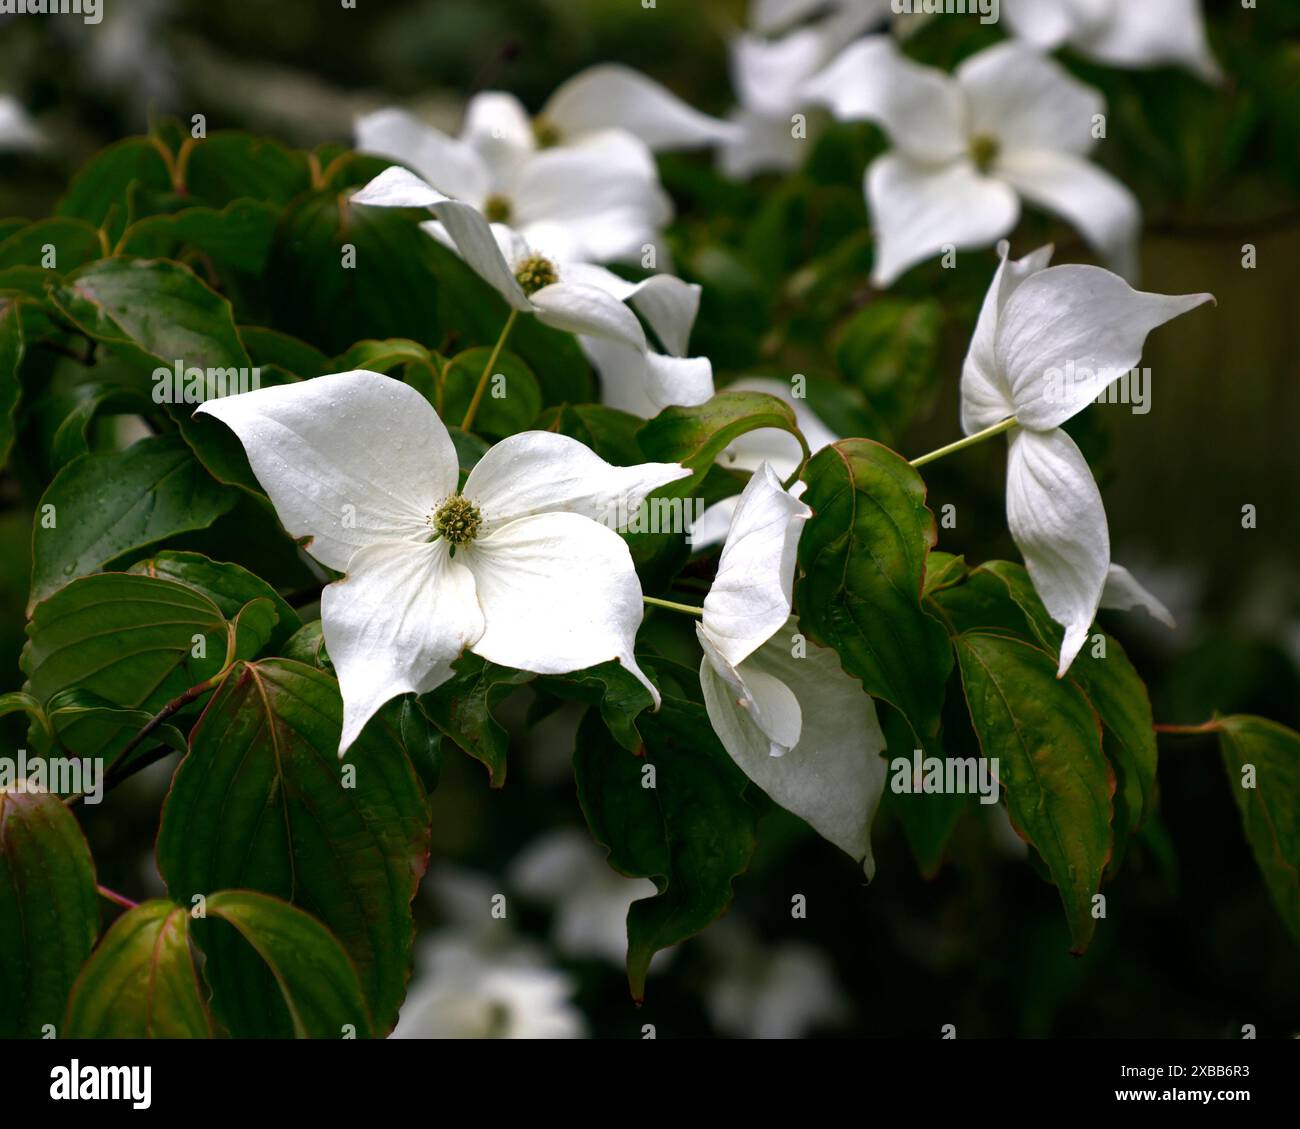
984, 150
457, 519
545, 133
497, 209
535, 272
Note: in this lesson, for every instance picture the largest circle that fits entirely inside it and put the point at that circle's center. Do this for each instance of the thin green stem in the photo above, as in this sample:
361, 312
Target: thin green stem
969, 441
472, 410
1190, 730
803, 463
672, 607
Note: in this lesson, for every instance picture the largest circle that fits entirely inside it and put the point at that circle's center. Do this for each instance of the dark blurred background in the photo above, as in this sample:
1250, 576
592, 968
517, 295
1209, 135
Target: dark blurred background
1191, 945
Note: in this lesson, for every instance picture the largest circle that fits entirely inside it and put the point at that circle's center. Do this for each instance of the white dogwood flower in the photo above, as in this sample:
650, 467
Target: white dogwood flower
775, 120
516, 565
16, 128
1010, 123
600, 201
1119, 33
591, 899
1049, 341
794, 722
577, 297
465, 990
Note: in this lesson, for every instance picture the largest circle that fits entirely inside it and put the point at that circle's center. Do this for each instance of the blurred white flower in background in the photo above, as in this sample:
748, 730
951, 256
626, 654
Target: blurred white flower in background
566, 869
775, 120
766, 991
17, 131
1008, 123
1119, 33
462, 992
598, 201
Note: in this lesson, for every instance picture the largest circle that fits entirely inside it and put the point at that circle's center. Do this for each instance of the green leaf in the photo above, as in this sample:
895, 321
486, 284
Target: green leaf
263, 802
389, 291
1046, 739
49, 912
108, 504
239, 236
102, 193
508, 406
11, 357
1117, 692
270, 347
693, 832
157, 311
160, 314
73, 241
891, 351
381, 356
612, 688
140, 982
695, 437
130, 640
943, 570
81, 719
612, 434
318, 985
863, 554
229, 586
1269, 801
462, 708
229, 166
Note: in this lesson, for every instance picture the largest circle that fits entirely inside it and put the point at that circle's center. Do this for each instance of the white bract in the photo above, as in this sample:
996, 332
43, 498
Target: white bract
795, 723
599, 201
764, 991
516, 566
769, 77
574, 296
1049, 341
779, 449
16, 128
463, 990
610, 96
1010, 123
1119, 33
591, 899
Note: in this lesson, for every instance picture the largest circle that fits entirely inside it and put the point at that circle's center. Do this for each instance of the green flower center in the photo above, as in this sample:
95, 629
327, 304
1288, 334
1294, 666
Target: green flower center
984, 150
535, 272
457, 519
545, 133
497, 209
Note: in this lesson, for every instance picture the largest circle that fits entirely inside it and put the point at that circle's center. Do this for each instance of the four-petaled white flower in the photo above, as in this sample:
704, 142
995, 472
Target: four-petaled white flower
1119, 33
578, 297
795, 723
1009, 123
1049, 341
769, 76
517, 565
599, 201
